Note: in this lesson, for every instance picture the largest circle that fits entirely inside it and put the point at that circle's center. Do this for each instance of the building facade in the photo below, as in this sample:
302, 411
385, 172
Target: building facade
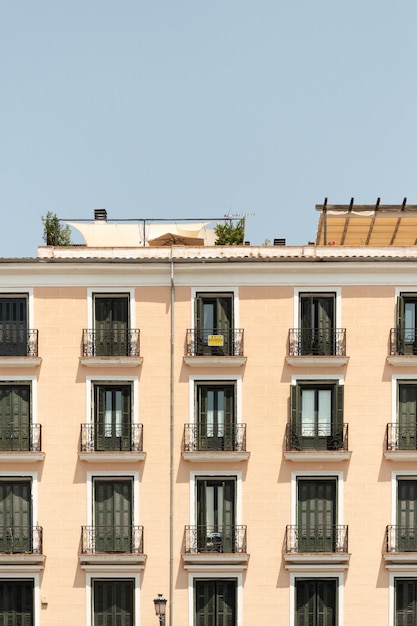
232, 427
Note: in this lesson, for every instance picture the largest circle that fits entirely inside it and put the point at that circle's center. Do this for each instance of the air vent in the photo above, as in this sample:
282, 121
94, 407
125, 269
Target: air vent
100, 215
279, 242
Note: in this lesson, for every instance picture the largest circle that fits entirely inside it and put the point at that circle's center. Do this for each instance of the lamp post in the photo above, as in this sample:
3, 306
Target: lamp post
160, 608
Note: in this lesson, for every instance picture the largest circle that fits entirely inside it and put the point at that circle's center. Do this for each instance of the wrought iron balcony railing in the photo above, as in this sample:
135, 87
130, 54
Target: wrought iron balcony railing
316, 437
111, 539
18, 342
202, 437
225, 539
111, 343
21, 539
317, 342
401, 437
403, 341
401, 538
216, 342
111, 438
21, 438
299, 539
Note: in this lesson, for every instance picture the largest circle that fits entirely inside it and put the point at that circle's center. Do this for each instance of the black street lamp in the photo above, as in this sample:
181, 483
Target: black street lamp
160, 608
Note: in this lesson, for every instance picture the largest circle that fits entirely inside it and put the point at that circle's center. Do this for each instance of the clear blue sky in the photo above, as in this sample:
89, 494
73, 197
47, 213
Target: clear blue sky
194, 108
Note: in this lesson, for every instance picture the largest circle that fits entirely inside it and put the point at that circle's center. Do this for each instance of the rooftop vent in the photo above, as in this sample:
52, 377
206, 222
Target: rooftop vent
100, 215
279, 242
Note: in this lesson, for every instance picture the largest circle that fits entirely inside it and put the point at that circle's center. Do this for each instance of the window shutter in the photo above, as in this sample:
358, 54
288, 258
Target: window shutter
295, 407
400, 312
339, 392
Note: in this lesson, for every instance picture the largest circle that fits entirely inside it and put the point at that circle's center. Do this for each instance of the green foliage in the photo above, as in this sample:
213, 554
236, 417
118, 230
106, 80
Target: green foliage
229, 234
54, 233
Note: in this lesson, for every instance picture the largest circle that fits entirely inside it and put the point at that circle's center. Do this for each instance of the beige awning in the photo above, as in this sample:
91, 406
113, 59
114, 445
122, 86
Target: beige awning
367, 225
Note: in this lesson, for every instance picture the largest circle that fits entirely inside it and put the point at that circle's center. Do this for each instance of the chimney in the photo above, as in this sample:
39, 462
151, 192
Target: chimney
100, 215
279, 242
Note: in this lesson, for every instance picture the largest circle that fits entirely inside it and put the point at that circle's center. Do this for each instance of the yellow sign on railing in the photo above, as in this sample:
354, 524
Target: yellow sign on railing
215, 340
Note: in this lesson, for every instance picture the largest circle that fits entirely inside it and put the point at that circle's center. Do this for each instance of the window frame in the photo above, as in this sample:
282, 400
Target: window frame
92, 381
107, 474
200, 379
219, 575
195, 475
29, 576
334, 575
215, 291
315, 289
116, 291
338, 476
19, 292
99, 575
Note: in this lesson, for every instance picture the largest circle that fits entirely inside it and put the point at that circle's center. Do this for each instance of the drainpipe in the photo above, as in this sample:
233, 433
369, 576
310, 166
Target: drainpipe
171, 456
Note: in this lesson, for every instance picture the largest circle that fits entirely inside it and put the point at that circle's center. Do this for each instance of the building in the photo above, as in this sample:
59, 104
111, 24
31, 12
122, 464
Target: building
232, 427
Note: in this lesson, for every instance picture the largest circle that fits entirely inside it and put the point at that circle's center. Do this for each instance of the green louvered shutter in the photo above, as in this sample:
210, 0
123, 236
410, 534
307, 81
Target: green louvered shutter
16, 603
337, 439
113, 515
13, 326
316, 603
111, 325
113, 603
316, 515
15, 516
405, 602
407, 515
215, 603
202, 426
15, 417
407, 416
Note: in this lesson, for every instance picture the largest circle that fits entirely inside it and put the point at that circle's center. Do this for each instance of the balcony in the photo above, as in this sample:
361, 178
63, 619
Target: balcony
112, 545
200, 445
215, 546
21, 547
403, 347
400, 545
321, 348
316, 545
100, 445
19, 348
221, 348
322, 443
114, 348
401, 442
21, 444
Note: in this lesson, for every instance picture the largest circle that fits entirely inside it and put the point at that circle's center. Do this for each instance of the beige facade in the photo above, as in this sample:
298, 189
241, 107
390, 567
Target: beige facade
277, 475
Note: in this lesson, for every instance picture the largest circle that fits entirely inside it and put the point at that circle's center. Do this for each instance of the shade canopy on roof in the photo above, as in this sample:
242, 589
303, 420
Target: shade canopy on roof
103, 234
367, 225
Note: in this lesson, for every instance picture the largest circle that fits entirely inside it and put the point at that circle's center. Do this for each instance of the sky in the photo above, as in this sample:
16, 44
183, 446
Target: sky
204, 108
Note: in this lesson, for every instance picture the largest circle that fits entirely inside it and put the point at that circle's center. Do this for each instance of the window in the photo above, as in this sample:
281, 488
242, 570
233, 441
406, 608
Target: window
111, 325
317, 416
317, 323
407, 324
16, 516
113, 515
16, 602
214, 324
15, 417
406, 536
215, 602
317, 515
113, 602
407, 415
216, 514
215, 416
316, 602
113, 417
13, 325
